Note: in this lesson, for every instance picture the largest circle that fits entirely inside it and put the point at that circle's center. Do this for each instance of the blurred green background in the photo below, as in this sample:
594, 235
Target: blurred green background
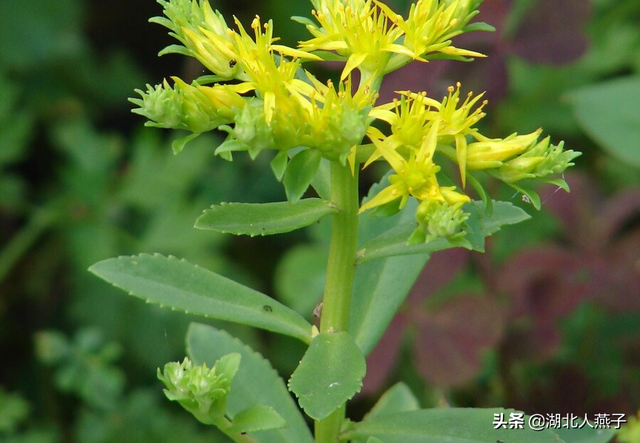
548, 320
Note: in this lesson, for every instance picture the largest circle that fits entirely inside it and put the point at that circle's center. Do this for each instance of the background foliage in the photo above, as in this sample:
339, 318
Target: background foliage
551, 313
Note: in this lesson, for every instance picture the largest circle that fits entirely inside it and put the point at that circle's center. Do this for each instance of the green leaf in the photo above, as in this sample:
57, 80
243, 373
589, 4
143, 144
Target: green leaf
322, 180
610, 113
394, 243
380, 287
279, 164
36, 33
480, 224
257, 418
479, 26
398, 398
300, 277
228, 365
457, 425
178, 144
256, 383
179, 285
503, 213
13, 410
300, 172
585, 435
329, 374
263, 218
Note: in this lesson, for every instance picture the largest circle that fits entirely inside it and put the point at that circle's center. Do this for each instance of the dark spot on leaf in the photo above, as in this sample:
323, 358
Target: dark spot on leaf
232, 63
267, 308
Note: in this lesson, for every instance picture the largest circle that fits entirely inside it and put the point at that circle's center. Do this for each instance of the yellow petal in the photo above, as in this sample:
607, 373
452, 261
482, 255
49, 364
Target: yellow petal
354, 61
388, 194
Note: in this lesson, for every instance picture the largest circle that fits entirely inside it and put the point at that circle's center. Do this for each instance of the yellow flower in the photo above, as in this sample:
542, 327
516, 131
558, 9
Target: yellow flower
429, 28
357, 30
414, 176
204, 34
408, 118
414, 114
458, 122
272, 79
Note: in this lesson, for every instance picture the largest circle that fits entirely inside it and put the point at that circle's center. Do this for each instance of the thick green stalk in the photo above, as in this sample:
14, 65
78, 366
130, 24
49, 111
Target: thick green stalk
340, 273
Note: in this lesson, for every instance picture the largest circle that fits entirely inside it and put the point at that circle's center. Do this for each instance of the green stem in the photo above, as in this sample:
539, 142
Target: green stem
224, 423
340, 273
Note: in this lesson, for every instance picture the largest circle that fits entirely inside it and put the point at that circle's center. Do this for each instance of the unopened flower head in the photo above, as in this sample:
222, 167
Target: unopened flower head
338, 119
439, 219
539, 161
190, 107
255, 130
487, 153
312, 115
199, 389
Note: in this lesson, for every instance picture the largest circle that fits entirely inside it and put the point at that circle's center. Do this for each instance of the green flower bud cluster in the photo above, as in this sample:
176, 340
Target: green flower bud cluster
438, 220
538, 162
339, 125
180, 107
199, 389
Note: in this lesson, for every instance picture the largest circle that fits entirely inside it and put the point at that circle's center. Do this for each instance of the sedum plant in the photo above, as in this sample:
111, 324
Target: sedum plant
319, 135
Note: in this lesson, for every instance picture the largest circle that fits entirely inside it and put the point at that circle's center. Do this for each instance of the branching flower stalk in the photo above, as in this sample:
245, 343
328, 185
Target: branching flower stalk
262, 95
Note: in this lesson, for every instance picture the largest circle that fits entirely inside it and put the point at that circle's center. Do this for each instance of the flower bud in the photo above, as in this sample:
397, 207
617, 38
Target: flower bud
491, 153
251, 128
199, 389
339, 127
540, 161
438, 219
186, 106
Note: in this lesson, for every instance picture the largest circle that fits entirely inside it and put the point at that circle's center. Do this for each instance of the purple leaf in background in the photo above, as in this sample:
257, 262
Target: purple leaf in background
600, 262
541, 286
452, 336
552, 32
384, 357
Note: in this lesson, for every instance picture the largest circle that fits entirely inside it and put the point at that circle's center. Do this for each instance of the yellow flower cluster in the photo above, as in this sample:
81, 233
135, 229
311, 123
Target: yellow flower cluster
265, 100
377, 40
